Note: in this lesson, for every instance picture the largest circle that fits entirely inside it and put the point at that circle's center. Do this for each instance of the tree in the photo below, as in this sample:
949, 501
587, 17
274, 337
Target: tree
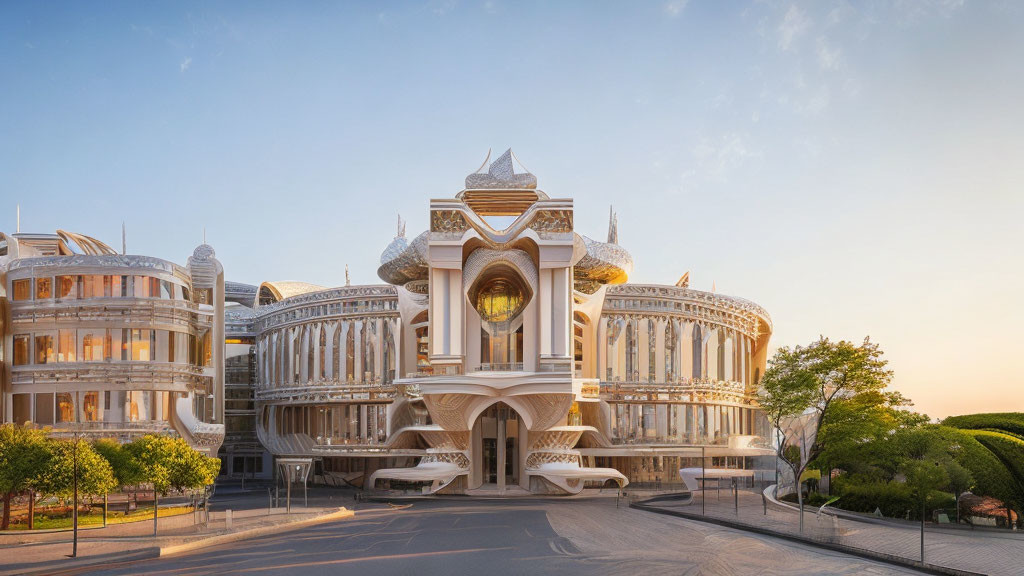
171, 464
802, 383
94, 473
23, 456
126, 470
960, 481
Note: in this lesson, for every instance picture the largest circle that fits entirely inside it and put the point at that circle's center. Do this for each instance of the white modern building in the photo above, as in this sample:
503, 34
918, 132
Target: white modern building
507, 353
109, 344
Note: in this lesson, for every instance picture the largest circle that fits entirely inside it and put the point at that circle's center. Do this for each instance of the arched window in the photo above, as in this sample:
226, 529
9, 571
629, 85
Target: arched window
350, 353
632, 348
652, 356
336, 354
322, 349
698, 356
670, 351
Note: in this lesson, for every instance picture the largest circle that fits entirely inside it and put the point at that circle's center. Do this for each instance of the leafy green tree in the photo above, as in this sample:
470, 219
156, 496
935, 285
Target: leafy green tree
171, 464
126, 470
58, 479
802, 383
960, 480
24, 455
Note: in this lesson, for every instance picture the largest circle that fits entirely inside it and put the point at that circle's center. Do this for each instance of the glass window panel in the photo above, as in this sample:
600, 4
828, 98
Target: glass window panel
95, 345
66, 343
44, 288
125, 283
22, 404
22, 289
44, 408
91, 407
65, 407
66, 287
143, 344
45, 353
21, 349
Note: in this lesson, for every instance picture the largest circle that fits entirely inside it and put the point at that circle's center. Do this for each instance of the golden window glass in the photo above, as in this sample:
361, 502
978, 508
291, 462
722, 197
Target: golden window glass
44, 288
21, 349
66, 342
91, 406
65, 407
22, 289
45, 354
66, 287
500, 300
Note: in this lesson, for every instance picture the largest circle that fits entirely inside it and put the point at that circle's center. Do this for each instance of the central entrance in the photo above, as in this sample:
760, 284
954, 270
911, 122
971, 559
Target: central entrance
499, 446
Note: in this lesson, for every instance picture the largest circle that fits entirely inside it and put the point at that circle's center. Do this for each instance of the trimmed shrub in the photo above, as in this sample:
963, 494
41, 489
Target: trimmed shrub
991, 476
1010, 422
894, 499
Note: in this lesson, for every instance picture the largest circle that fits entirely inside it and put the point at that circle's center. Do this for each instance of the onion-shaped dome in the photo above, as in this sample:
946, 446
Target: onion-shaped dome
410, 263
603, 263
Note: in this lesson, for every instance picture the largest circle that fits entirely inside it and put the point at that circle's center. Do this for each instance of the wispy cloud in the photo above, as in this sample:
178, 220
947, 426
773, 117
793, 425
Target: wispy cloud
442, 7
829, 57
675, 7
793, 25
718, 158
186, 64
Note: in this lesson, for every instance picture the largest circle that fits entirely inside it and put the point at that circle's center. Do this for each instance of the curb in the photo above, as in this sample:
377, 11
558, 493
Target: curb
859, 552
163, 551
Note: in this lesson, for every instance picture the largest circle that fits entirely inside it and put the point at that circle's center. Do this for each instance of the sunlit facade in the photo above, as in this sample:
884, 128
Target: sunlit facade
111, 345
506, 353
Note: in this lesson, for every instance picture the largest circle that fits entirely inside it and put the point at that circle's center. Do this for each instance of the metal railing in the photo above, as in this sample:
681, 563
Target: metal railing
499, 367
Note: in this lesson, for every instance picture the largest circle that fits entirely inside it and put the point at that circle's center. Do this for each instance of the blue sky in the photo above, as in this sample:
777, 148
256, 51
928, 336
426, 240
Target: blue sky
853, 167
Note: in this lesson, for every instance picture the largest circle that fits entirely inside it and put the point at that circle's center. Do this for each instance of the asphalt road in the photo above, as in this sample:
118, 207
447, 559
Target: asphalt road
487, 538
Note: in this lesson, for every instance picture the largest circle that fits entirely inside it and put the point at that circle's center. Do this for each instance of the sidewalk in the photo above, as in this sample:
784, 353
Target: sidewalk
47, 553
985, 552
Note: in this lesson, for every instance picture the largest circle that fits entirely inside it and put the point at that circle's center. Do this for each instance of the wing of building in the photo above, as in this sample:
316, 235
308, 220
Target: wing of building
110, 344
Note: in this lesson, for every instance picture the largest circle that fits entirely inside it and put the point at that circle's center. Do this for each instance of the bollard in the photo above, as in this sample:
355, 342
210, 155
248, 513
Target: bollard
227, 519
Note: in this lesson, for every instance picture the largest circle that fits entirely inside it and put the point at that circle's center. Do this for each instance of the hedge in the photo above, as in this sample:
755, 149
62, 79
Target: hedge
1009, 450
1011, 422
894, 499
991, 476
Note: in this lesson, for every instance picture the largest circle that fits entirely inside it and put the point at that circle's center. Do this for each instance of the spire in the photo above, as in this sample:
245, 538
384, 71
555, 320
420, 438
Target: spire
18, 228
400, 232
613, 226
348, 282
124, 239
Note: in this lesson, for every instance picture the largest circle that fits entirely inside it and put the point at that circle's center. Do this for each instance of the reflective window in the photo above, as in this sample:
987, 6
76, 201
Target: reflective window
143, 344
66, 343
44, 288
22, 289
65, 407
66, 287
21, 349
45, 353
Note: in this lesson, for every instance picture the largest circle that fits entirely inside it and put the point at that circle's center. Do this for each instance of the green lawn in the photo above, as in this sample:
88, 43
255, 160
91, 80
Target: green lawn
95, 518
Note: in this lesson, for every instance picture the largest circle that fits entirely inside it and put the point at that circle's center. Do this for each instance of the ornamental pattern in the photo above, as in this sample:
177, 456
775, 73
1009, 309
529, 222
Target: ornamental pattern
536, 459
552, 222
448, 221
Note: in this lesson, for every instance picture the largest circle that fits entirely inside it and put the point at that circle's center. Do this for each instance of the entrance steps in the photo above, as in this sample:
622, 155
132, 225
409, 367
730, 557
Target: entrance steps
492, 491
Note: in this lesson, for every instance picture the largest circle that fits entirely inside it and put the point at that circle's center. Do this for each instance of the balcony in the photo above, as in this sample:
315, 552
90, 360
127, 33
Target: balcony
499, 367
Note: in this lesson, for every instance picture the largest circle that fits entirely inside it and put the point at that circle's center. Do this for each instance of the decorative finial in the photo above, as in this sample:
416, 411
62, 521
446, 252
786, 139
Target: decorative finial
348, 281
613, 226
124, 239
400, 233
713, 287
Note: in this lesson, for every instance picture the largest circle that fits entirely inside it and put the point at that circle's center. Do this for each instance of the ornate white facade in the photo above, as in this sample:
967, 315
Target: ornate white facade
506, 352
109, 344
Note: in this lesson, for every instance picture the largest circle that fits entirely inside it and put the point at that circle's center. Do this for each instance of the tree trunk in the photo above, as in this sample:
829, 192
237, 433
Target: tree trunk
7, 512
800, 500
156, 510
31, 510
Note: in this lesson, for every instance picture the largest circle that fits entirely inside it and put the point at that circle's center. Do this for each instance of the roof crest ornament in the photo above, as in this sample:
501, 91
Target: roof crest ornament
613, 226
400, 232
501, 174
348, 281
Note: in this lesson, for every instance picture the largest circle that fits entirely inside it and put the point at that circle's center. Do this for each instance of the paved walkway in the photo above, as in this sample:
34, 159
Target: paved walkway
530, 536
984, 551
48, 552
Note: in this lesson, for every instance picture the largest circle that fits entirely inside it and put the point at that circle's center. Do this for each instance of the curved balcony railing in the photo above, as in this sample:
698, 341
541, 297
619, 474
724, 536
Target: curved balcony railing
499, 367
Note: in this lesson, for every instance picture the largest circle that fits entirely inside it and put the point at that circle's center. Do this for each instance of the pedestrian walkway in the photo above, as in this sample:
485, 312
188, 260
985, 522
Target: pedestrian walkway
47, 553
981, 551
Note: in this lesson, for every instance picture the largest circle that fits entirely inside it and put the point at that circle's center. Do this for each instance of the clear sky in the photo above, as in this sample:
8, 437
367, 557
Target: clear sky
856, 168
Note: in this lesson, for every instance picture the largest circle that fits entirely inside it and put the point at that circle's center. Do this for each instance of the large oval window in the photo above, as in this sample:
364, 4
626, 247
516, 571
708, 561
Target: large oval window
499, 299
